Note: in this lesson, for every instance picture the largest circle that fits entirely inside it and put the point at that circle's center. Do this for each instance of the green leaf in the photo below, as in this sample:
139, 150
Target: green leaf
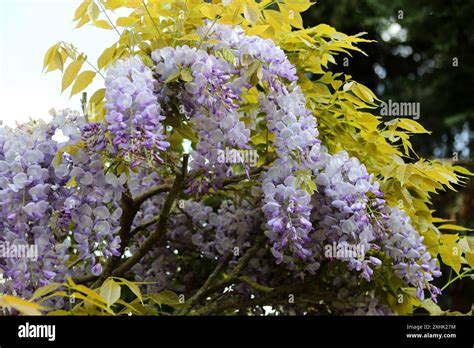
110, 291
106, 56
451, 256
250, 14
454, 227
132, 286
432, 307
82, 81
173, 77
254, 72
71, 72
166, 297
44, 290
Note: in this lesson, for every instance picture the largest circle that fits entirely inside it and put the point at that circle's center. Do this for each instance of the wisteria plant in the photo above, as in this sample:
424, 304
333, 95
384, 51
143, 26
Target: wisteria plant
222, 169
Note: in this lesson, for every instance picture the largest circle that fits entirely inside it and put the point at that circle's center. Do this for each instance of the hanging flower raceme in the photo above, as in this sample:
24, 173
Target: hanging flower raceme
412, 262
208, 96
133, 113
32, 255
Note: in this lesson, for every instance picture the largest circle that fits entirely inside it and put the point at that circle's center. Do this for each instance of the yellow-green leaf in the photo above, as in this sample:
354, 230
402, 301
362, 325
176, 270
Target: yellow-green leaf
97, 97
469, 258
49, 55
81, 10
110, 291
71, 72
22, 306
106, 57
93, 11
165, 297
411, 126
89, 292
133, 287
454, 227
44, 290
451, 256
250, 14
103, 24
82, 81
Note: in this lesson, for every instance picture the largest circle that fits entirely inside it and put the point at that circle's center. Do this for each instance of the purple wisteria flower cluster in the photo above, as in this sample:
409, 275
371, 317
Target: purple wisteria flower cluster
28, 201
209, 98
91, 209
412, 262
133, 114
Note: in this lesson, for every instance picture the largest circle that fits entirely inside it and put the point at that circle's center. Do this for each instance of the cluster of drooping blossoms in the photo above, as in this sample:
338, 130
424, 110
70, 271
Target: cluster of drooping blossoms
287, 204
133, 114
343, 218
48, 209
412, 262
208, 98
31, 255
53, 205
92, 207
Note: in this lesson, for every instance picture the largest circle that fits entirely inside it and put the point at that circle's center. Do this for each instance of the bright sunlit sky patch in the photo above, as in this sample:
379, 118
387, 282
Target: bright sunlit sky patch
27, 29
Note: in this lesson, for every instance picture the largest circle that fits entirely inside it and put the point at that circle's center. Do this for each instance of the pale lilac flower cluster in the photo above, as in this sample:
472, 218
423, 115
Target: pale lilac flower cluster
209, 98
343, 214
248, 49
287, 205
92, 205
133, 113
32, 254
412, 262
94, 136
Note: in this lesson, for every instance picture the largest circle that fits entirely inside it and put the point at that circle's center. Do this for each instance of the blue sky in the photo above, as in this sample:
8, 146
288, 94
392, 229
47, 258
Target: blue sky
27, 29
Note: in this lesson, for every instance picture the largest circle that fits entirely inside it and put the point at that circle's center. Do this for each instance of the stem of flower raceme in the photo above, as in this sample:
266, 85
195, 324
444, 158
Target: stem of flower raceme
84, 106
459, 276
